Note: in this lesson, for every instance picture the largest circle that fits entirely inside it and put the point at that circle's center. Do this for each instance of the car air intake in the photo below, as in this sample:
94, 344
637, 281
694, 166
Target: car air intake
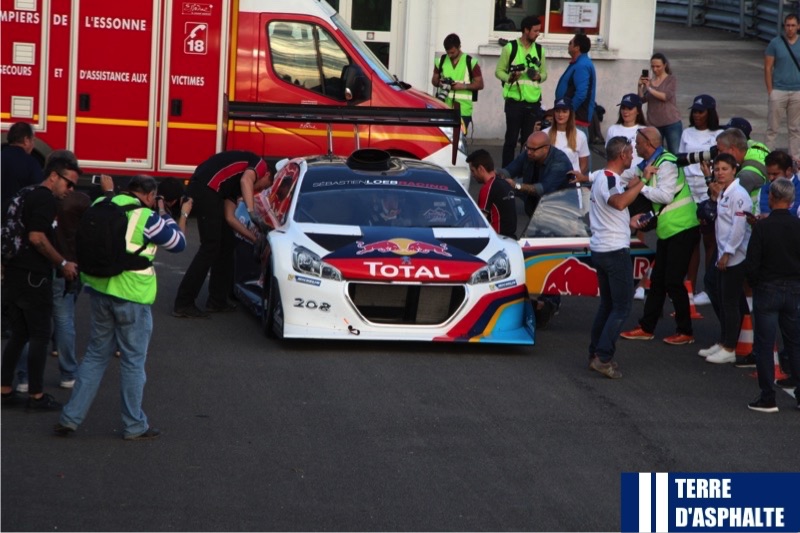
419, 305
369, 159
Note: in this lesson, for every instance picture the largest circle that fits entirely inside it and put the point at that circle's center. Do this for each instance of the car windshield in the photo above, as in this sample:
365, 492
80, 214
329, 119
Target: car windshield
389, 206
563, 213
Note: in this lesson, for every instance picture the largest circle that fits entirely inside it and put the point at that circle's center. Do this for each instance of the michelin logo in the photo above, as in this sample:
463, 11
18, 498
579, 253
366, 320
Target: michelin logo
308, 281
710, 502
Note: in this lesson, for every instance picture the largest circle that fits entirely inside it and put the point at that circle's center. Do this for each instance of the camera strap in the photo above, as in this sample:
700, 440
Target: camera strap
790, 51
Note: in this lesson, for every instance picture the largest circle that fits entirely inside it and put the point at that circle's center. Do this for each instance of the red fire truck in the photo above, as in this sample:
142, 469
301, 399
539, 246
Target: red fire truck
146, 86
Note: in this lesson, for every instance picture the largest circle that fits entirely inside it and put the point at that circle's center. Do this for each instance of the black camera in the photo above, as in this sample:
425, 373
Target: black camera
691, 158
443, 90
516, 68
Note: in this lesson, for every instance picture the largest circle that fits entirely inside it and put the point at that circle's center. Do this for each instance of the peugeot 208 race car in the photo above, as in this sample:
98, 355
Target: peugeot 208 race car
379, 247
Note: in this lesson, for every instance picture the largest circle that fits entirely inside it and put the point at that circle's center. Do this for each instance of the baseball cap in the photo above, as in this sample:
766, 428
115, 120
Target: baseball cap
563, 103
630, 100
703, 103
741, 124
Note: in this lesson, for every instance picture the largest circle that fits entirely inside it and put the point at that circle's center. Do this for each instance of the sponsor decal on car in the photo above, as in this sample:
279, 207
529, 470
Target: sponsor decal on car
303, 279
402, 247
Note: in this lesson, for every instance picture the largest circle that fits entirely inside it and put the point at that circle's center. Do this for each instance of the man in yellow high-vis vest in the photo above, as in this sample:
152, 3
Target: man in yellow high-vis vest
458, 78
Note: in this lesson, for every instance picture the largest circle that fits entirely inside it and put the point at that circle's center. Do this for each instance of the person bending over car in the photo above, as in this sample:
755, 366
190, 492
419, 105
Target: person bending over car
215, 188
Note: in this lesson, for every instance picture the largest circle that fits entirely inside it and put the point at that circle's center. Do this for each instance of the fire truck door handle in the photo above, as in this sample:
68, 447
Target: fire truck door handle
176, 107
83, 102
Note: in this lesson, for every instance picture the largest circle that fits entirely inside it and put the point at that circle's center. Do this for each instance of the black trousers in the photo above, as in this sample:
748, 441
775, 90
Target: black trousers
216, 253
520, 118
672, 264
29, 297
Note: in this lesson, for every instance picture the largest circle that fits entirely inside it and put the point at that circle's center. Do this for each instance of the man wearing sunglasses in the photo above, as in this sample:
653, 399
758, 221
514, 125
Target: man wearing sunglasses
542, 169
27, 283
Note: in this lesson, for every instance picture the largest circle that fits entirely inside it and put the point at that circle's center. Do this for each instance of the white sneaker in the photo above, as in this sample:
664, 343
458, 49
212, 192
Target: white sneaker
701, 298
639, 294
722, 356
67, 383
22, 387
710, 351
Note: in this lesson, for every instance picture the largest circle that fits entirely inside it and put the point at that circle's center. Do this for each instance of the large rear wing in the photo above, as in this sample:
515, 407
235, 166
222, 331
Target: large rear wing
355, 115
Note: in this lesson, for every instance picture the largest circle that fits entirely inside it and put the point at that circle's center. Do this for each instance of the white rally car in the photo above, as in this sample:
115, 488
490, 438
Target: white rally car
381, 248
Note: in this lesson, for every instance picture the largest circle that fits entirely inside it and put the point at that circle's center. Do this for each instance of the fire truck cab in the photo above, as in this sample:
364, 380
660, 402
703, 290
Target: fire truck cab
144, 87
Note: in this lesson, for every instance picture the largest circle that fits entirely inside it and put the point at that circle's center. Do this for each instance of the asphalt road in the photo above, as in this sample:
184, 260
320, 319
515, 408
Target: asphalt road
259, 435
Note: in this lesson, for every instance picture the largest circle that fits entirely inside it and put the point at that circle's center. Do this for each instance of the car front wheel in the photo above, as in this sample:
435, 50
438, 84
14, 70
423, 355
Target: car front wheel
272, 317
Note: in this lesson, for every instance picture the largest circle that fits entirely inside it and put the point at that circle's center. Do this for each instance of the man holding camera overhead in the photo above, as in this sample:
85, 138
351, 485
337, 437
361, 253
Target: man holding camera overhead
521, 68
458, 79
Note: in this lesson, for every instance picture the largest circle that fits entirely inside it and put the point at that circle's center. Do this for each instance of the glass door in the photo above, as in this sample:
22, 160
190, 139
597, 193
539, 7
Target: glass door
375, 22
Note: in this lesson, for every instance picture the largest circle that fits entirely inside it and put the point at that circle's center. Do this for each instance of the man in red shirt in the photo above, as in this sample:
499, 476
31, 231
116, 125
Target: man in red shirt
496, 198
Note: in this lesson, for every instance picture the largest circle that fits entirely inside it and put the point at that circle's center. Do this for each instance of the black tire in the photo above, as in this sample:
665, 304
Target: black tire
272, 315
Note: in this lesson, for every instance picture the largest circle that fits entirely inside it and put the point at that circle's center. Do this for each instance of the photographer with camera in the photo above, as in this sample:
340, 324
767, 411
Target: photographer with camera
521, 68
458, 79
659, 93
579, 82
752, 171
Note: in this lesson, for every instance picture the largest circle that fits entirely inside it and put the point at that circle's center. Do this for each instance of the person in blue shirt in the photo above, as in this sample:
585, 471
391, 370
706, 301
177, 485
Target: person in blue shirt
579, 82
542, 169
779, 165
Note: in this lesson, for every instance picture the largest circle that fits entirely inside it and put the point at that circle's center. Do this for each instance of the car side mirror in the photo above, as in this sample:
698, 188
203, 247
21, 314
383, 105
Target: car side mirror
357, 87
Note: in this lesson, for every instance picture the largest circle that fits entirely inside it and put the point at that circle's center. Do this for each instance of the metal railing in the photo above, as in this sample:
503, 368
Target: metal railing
762, 19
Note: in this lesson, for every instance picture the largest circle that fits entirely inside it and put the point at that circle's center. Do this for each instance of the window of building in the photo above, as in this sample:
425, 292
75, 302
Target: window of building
559, 17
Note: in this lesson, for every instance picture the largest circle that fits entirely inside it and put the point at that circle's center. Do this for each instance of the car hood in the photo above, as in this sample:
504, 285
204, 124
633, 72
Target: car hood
403, 254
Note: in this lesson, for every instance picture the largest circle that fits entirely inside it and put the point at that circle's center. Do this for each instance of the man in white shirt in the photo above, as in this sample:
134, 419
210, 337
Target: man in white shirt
610, 244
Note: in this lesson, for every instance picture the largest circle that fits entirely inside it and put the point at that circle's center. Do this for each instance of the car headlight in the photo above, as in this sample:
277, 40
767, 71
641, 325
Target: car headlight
307, 262
462, 145
497, 268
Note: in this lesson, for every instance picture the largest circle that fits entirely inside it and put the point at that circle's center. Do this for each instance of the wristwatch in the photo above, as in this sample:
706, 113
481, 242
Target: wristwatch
62, 264
517, 186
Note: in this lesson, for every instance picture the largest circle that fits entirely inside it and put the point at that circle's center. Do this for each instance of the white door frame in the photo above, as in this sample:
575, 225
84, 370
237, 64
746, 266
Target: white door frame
393, 36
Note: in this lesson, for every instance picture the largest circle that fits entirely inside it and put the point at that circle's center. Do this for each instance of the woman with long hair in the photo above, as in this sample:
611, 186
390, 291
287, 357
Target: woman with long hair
659, 94
700, 136
567, 138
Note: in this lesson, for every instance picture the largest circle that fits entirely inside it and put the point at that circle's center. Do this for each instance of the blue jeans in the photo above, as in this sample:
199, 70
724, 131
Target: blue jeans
64, 328
128, 325
671, 136
776, 303
614, 276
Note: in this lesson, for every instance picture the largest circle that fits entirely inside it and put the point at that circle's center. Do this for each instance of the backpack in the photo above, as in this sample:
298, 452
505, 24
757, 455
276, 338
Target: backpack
13, 236
100, 241
469, 71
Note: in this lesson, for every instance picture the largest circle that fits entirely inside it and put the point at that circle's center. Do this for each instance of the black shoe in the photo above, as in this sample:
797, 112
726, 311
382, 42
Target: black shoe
763, 406
45, 403
191, 311
787, 383
151, 433
62, 431
745, 361
12, 399
213, 307
609, 370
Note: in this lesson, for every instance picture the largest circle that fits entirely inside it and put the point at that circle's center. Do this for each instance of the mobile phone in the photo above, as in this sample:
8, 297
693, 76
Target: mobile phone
645, 73
644, 219
95, 179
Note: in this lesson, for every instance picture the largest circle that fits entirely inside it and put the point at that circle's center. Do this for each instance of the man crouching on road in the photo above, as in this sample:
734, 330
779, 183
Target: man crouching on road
121, 315
611, 254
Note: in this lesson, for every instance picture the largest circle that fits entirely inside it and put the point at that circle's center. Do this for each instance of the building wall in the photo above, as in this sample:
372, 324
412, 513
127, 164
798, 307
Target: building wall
627, 31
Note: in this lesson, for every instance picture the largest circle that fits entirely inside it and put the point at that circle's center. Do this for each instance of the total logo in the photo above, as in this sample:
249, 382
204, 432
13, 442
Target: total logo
390, 271
402, 247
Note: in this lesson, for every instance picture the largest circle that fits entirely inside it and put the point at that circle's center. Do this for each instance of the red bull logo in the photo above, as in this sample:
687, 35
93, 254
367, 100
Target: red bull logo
402, 247
571, 277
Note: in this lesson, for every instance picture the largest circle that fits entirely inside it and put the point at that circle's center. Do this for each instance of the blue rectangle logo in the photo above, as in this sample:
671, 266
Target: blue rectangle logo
660, 501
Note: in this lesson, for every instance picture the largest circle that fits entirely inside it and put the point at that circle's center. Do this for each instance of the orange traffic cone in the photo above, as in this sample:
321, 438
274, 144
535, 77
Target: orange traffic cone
692, 308
779, 373
745, 344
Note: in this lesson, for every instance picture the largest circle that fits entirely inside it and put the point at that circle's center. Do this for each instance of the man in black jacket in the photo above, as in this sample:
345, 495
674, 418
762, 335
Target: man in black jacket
773, 270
